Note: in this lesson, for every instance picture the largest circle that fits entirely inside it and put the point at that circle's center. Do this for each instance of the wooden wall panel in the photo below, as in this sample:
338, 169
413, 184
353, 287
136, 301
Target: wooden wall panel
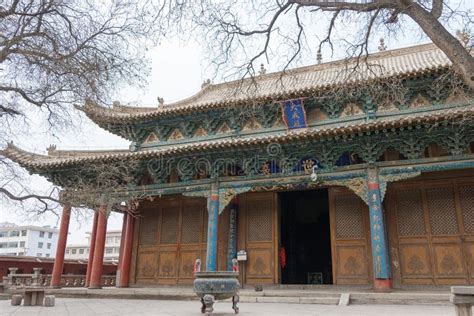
431, 229
350, 238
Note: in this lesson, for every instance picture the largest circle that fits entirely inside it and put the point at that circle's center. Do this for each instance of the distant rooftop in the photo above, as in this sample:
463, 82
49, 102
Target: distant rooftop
12, 226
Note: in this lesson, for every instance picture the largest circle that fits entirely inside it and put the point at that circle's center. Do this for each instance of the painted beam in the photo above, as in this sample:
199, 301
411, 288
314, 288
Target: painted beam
201, 187
380, 254
212, 228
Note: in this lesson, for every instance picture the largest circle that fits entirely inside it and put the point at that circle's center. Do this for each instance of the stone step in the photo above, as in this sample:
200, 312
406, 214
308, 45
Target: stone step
289, 293
4, 296
400, 298
290, 300
266, 296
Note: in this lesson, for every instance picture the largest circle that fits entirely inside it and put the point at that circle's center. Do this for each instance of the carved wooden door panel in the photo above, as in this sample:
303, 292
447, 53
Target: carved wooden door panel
350, 237
434, 223
172, 236
147, 245
257, 231
192, 244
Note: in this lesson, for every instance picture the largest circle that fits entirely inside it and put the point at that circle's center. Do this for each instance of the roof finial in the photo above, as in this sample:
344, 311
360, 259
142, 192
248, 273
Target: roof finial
51, 148
116, 103
382, 45
161, 101
463, 36
262, 69
319, 56
205, 83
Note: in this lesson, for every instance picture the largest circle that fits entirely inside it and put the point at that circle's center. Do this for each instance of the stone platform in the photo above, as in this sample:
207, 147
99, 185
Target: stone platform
324, 296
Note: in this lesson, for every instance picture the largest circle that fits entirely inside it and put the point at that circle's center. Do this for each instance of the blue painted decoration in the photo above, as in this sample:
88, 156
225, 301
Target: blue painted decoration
294, 114
379, 245
213, 219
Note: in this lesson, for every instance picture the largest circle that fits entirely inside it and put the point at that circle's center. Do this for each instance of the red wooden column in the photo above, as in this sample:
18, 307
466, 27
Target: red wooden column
61, 248
91, 248
98, 261
127, 252
122, 237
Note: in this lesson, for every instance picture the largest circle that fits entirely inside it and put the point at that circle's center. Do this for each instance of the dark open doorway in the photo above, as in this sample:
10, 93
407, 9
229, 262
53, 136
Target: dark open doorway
306, 238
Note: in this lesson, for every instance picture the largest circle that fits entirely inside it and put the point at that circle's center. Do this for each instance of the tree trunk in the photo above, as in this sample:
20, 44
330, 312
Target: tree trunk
462, 60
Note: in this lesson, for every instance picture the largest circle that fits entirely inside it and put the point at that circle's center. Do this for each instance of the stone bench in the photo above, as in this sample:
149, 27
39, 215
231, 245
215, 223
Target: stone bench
462, 297
33, 296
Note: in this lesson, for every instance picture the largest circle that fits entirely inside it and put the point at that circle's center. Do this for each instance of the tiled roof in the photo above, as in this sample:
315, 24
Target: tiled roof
409, 61
37, 162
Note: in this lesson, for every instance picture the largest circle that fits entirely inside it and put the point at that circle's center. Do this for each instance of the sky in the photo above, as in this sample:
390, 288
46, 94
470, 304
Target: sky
176, 73
178, 70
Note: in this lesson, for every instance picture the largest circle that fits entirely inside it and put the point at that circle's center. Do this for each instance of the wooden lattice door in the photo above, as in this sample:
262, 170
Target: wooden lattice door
258, 235
433, 231
350, 237
172, 236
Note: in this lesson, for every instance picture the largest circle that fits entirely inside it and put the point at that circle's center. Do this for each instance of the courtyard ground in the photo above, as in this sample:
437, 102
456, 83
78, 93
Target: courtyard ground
82, 307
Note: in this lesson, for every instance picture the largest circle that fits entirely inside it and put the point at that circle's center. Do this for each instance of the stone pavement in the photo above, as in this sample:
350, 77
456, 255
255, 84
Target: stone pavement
83, 307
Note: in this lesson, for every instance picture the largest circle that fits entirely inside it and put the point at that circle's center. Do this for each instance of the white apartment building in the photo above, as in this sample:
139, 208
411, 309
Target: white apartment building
28, 240
111, 253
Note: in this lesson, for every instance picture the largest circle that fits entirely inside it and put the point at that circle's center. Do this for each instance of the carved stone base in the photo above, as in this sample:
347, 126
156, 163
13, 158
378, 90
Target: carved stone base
235, 301
207, 304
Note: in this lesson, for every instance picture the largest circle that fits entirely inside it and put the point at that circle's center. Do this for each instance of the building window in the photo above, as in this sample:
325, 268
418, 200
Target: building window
110, 240
67, 251
50, 235
48, 245
3, 245
39, 254
14, 233
23, 232
13, 245
40, 245
73, 251
117, 239
41, 234
87, 250
117, 249
3, 234
22, 244
81, 251
109, 250
48, 255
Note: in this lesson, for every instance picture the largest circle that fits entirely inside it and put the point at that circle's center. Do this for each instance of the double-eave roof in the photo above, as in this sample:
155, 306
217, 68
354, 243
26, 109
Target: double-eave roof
64, 160
404, 62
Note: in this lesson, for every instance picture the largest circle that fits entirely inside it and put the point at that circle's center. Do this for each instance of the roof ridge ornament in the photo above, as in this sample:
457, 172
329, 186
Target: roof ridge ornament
116, 103
161, 101
206, 83
319, 56
262, 69
52, 148
382, 47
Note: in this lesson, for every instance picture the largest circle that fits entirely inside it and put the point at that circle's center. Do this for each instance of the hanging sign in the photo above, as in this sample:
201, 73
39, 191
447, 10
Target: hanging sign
242, 255
294, 114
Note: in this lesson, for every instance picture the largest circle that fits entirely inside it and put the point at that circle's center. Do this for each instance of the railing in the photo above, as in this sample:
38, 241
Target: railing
37, 279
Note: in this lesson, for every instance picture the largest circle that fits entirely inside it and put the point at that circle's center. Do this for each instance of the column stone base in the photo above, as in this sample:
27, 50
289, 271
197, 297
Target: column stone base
383, 285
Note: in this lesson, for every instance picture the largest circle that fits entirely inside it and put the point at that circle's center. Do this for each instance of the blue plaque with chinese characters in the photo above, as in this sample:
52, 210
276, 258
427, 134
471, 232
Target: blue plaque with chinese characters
294, 114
